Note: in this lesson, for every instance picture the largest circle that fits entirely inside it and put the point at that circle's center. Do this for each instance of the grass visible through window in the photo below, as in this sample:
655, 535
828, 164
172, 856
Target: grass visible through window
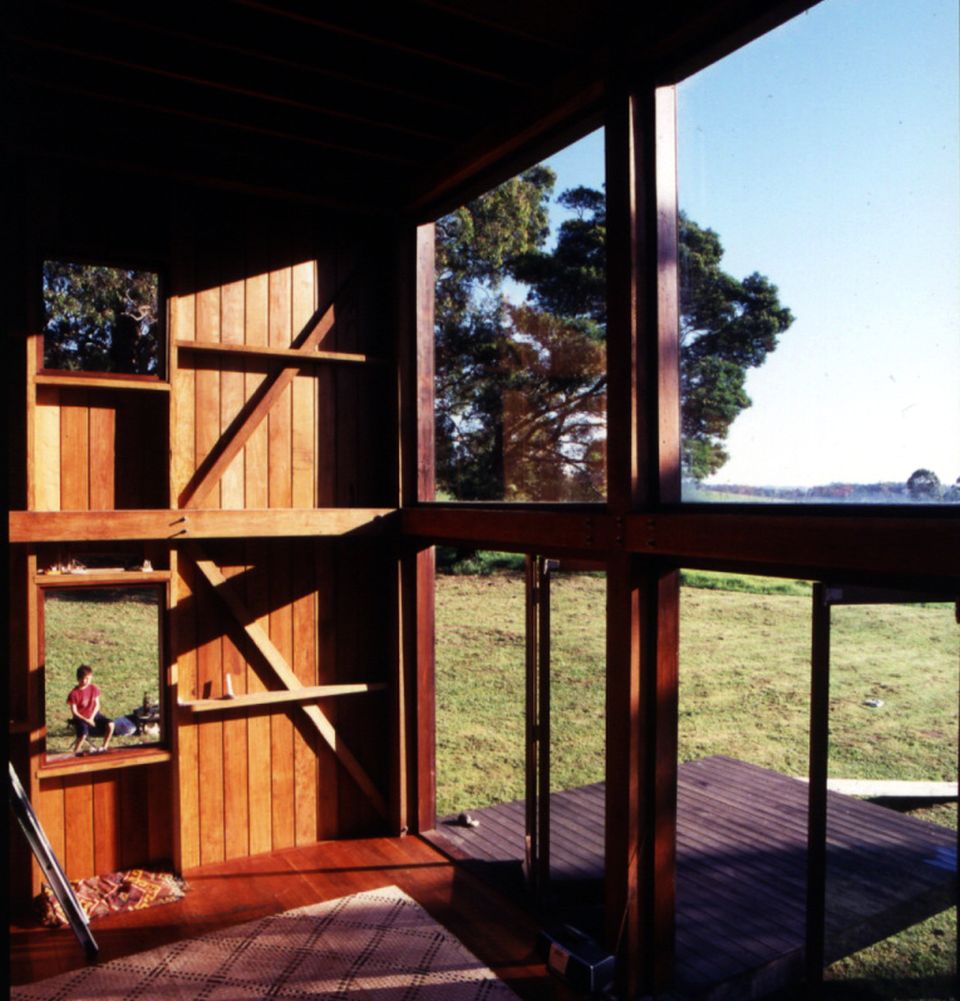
116, 632
745, 669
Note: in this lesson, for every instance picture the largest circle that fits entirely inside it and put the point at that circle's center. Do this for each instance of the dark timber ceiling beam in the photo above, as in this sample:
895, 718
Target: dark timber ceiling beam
816, 544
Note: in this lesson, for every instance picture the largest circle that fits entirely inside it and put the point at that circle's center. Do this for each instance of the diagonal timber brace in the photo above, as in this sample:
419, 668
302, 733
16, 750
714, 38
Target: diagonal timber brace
211, 470
283, 672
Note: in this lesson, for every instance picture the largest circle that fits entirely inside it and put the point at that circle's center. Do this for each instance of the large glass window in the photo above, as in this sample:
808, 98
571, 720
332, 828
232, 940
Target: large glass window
744, 741
820, 261
521, 337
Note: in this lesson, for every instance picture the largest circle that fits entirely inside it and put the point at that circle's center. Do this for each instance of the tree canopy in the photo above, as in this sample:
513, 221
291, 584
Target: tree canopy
521, 389
100, 319
726, 327
924, 484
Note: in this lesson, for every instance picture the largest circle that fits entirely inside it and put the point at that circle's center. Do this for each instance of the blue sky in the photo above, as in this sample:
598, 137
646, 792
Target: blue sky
825, 155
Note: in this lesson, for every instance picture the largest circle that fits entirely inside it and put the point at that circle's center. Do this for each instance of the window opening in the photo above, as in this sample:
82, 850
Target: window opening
115, 631
575, 610
892, 671
101, 319
520, 335
751, 688
520, 689
480, 679
819, 261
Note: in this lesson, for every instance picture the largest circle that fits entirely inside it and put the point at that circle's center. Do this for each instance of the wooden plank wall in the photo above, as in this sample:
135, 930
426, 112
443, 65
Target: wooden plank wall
241, 782
99, 450
264, 780
108, 820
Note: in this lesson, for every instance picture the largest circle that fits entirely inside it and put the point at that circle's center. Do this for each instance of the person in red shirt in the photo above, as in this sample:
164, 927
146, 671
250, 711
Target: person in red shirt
84, 702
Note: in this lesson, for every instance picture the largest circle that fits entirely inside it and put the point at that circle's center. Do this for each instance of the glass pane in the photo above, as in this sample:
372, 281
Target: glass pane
116, 632
520, 337
894, 742
744, 725
100, 319
480, 681
821, 261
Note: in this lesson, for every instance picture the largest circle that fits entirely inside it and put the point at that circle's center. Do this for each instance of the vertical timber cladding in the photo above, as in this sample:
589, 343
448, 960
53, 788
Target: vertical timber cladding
254, 431
92, 827
93, 449
99, 449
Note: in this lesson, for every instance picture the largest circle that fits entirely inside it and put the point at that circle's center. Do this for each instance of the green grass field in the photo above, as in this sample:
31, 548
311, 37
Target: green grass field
745, 667
116, 632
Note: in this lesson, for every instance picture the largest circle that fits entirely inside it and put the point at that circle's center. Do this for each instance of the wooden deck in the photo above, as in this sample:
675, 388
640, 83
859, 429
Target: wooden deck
495, 930
741, 878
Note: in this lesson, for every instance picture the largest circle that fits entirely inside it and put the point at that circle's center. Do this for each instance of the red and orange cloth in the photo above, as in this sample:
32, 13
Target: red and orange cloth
131, 890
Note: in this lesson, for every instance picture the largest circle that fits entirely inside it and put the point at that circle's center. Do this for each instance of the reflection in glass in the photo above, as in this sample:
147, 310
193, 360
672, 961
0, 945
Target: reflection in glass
116, 631
818, 175
520, 338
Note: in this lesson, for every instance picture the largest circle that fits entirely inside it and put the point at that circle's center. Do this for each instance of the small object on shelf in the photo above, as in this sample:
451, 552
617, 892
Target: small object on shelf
145, 567
147, 717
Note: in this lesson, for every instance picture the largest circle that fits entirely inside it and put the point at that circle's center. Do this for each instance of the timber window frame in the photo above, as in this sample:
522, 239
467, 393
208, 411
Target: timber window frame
155, 336
53, 706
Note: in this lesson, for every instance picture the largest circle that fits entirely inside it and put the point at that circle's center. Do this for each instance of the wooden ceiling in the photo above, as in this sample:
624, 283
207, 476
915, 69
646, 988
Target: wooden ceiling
363, 104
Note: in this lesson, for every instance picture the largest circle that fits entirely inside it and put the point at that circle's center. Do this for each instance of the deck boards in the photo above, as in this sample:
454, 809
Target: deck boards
741, 870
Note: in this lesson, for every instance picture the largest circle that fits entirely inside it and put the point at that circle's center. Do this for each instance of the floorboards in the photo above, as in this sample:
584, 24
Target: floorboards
497, 931
741, 871
740, 884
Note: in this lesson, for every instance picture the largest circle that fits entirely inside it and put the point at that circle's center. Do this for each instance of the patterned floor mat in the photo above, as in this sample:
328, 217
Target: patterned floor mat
379, 945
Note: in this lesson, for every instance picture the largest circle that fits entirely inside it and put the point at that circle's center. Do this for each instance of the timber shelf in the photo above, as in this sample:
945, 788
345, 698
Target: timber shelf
282, 354
297, 695
120, 758
103, 577
185, 524
89, 381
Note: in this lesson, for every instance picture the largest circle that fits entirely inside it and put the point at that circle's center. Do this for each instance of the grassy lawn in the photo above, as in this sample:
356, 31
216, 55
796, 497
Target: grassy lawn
745, 666
114, 631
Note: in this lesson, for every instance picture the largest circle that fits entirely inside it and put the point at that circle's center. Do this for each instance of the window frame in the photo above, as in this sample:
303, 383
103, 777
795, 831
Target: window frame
162, 375
119, 756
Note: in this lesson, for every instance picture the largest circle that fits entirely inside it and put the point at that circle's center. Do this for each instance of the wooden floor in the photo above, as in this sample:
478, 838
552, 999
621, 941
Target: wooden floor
498, 932
741, 871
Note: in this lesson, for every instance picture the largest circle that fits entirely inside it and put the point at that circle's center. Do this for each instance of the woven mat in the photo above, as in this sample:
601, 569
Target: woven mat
376, 945
131, 890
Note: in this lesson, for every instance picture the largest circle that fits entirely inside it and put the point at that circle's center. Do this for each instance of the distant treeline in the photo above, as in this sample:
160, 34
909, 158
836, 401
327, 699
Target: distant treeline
856, 493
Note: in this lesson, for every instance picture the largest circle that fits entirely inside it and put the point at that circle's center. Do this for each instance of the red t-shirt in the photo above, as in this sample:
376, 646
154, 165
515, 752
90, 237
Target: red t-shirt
84, 699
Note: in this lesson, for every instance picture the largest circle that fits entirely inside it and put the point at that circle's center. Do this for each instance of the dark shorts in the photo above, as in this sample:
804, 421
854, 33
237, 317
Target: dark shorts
84, 729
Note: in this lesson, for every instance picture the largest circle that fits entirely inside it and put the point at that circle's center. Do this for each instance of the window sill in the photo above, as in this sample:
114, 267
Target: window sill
102, 380
103, 762
101, 577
